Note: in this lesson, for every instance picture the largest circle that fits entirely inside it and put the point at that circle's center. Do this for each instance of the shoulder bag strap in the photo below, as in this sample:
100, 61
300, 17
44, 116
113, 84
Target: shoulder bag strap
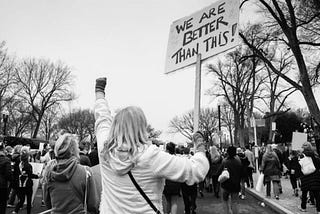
142, 193
87, 174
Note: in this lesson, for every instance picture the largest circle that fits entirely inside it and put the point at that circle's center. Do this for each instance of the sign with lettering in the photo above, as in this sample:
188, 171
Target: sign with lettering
208, 32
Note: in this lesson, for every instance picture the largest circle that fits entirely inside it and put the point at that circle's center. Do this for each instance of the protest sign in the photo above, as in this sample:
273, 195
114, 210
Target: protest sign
37, 170
298, 139
208, 32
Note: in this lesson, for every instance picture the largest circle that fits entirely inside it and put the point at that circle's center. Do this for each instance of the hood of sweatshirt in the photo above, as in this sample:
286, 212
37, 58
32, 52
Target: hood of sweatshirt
63, 170
271, 155
120, 162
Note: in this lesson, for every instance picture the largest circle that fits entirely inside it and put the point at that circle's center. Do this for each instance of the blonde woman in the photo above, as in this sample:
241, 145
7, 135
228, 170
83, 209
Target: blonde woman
124, 150
68, 186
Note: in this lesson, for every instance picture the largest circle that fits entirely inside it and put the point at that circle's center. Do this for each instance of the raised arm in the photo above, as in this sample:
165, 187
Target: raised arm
102, 113
182, 169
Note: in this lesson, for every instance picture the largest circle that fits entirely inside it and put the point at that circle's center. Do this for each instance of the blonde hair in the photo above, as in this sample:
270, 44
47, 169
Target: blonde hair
127, 133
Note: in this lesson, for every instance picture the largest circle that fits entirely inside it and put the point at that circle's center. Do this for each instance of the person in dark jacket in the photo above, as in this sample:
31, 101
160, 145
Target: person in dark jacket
270, 166
171, 188
216, 161
84, 159
244, 175
294, 169
93, 156
281, 160
15, 161
189, 193
5, 178
310, 182
231, 187
25, 181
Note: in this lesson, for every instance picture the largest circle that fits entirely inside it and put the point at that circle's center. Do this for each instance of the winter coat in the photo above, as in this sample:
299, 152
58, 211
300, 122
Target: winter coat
311, 182
150, 169
234, 167
270, 166
94, 158
84, 159
16, 171
249, 154
245, 164
293, 164
64, 187
5, 170
26, 175
215, 165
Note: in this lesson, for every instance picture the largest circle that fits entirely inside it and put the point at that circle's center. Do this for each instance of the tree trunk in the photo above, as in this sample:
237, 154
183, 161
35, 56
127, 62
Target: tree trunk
231, 136
305, 81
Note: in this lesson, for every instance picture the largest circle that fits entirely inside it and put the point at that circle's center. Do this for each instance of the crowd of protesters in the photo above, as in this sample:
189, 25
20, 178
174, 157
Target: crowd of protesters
16, 173
130, 165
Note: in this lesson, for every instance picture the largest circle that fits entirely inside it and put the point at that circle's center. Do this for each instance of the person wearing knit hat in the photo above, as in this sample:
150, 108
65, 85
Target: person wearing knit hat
25, 181
69, 186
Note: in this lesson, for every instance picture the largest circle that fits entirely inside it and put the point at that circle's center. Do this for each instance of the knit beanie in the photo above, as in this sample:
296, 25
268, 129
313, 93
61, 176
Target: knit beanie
197, 135
62, 149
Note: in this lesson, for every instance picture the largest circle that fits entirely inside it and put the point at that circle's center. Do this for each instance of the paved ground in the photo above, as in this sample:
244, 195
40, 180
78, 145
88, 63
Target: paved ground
288, 202
210, 205
206, 205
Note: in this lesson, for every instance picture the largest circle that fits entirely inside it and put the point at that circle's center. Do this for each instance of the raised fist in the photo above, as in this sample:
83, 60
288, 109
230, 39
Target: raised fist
101, 84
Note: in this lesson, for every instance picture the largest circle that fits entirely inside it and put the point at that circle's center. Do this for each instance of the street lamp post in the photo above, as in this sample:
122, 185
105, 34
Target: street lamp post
5, 116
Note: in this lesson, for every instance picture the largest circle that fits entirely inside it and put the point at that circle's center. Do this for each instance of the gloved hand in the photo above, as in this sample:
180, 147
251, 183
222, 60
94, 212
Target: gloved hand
101, 84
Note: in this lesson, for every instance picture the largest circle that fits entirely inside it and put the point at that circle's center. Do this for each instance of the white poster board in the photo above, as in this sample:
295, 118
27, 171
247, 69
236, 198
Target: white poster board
36, 169
298, 138
208, 32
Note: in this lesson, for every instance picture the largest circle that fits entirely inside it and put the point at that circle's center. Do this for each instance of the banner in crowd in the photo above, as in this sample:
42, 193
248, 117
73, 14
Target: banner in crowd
208, 32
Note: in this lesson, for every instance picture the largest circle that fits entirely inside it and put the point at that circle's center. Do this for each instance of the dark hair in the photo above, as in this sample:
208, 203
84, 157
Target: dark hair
231, 151
171, 148
294, 153
247, 147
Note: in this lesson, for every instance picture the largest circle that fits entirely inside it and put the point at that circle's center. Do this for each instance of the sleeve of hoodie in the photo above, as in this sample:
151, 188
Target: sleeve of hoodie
182, 169
103, 119
93, 200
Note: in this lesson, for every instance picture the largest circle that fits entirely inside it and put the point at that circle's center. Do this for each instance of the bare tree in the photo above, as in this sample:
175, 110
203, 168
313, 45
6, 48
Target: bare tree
42, 84
207, 124
49, 123
227, 118
235, 84
7, 91
294, 25
79, 122
19, 118
152, 132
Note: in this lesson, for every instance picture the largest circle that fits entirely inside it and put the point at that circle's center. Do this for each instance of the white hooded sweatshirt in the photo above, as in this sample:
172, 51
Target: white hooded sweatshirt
119, 195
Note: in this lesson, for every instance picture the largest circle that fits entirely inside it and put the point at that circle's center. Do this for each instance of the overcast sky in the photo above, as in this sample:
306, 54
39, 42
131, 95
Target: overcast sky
125, 41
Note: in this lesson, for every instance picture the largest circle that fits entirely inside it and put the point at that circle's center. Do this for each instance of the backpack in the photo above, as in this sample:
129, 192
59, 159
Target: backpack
307, 166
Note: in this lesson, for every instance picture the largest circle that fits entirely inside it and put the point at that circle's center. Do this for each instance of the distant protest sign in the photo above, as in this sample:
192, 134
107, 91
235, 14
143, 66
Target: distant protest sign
208, 32
298, 139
